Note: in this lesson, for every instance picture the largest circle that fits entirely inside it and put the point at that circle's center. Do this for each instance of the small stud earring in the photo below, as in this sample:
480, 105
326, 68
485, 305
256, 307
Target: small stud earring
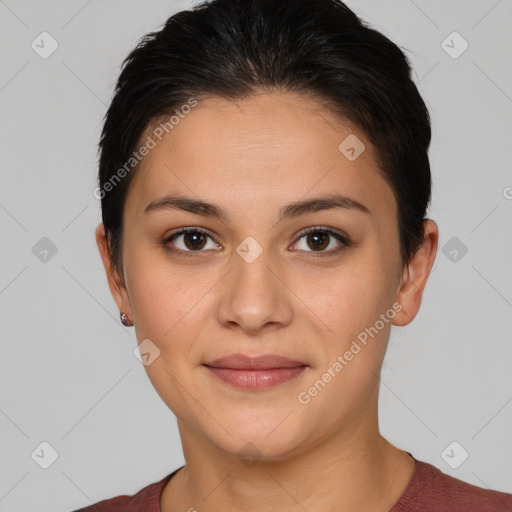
124, 320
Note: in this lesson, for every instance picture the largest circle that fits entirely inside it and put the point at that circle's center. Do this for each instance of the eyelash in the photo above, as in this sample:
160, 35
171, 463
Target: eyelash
311, 254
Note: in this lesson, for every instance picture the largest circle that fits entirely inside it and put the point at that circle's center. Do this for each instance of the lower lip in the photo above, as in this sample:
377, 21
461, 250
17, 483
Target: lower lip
256, 379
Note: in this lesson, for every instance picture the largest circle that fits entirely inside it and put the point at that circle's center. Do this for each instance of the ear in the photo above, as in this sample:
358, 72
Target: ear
115, 282
415, 275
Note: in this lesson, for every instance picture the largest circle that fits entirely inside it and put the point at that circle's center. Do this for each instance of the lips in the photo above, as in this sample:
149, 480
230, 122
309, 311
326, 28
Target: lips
255, 373
265, 362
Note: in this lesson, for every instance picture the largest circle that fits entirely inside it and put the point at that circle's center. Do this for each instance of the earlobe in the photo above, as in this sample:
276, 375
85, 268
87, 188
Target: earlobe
415, 275
115, 283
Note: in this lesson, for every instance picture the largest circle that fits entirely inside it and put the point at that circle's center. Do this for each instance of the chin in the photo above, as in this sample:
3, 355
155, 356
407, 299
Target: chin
268, 437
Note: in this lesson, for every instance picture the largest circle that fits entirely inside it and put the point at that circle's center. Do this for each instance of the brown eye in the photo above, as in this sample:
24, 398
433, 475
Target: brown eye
321, 241
188, 241
317, 240
194, 240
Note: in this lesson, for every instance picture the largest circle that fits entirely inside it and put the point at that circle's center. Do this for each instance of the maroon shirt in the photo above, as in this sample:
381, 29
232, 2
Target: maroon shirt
429, 490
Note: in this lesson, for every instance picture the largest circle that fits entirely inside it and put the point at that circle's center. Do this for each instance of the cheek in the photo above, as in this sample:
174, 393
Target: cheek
162, 295
349, 298
170, 306
166, 307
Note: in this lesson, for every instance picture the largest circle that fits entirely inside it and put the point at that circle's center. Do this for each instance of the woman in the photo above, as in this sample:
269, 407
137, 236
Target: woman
264, 181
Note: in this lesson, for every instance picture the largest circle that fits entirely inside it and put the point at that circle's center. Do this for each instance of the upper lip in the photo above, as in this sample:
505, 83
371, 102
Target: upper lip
264, 362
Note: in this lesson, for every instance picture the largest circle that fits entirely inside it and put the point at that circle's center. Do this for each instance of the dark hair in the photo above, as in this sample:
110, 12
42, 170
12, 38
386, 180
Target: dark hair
237, 48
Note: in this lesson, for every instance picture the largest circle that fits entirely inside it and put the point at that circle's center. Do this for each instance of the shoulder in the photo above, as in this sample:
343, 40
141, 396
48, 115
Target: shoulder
146, 500
431, 489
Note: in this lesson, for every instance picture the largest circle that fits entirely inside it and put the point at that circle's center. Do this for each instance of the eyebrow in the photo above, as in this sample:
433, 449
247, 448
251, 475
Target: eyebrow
291, 210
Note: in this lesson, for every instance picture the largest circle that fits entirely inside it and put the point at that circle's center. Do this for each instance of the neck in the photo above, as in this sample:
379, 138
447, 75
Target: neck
356, 470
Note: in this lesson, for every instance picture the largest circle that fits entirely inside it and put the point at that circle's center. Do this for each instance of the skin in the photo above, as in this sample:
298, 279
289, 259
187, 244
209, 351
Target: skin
253, 157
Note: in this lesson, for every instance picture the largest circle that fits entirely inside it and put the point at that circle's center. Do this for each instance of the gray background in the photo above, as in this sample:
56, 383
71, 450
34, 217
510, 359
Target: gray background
68, 373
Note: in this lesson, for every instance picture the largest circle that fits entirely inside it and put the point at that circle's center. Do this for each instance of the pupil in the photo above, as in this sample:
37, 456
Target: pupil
196, 243
318, 239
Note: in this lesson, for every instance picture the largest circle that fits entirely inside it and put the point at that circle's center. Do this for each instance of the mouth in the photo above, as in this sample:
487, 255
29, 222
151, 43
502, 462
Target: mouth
255, 373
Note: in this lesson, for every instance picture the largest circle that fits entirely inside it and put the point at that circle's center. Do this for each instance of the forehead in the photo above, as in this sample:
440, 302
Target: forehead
260, 152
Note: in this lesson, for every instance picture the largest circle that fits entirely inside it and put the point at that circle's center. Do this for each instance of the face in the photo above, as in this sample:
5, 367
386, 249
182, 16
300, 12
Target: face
319, 284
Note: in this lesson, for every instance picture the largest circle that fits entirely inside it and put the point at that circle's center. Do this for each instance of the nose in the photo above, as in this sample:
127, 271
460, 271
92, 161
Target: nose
255, 296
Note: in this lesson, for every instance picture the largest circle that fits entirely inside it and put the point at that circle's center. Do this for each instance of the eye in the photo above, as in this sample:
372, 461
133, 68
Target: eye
323, 241
189, 240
